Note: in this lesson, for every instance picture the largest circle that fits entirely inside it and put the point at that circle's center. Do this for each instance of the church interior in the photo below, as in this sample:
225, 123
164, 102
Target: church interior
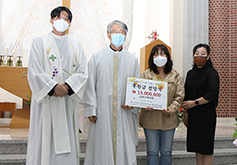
179, 24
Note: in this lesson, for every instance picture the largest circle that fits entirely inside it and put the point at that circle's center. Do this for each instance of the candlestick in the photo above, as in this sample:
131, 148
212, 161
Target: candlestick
1, 60
9, 61
19, 62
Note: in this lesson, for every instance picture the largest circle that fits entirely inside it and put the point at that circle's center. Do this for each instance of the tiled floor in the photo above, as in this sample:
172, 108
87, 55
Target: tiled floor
225, 128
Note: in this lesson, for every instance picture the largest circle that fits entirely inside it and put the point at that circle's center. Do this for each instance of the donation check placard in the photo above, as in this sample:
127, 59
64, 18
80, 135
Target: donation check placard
144, 92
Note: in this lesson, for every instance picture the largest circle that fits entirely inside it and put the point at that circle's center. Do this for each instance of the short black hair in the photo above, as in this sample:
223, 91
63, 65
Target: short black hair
207, 47
168, 65
56, 12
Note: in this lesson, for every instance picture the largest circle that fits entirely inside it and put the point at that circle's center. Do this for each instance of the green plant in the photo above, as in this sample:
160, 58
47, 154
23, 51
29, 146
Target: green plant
29, 102
181, 113
235, 133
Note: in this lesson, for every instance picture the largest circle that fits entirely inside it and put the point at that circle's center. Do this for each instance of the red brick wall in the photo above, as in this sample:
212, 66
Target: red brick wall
223, 43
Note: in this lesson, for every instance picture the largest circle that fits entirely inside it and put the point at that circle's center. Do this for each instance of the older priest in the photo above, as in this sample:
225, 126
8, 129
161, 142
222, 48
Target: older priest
113, 127
57, 75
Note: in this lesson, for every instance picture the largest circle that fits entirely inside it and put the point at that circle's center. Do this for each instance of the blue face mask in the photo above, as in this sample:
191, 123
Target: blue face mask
117, 39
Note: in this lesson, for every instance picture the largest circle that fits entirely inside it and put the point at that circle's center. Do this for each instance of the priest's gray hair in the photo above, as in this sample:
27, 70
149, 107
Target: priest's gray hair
120, 23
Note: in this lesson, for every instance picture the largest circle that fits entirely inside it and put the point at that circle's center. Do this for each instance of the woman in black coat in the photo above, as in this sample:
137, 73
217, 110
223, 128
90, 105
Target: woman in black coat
200, 102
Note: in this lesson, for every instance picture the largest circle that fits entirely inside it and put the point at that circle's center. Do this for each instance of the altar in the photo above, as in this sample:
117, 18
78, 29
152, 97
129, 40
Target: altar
14, 80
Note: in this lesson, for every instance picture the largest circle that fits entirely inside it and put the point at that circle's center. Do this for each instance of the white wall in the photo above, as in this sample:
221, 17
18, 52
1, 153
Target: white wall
8, 97
149, 15
157, 17
166, 16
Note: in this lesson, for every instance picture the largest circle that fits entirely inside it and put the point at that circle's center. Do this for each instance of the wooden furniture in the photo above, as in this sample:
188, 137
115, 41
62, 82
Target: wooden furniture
21, 119
145, 53
7, 106
14, 80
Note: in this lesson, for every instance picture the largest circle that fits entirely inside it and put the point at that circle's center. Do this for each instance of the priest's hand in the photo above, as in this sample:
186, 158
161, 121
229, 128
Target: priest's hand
60, 90
127, 107
55, 95
66, 86
166, 112
148, 108
92, 119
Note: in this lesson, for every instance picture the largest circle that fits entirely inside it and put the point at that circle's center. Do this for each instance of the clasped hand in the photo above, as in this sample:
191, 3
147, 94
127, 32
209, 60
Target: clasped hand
188, 104
61, 90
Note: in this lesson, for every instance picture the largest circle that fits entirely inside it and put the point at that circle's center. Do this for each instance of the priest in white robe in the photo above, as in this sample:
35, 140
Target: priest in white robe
113, 129
57, 75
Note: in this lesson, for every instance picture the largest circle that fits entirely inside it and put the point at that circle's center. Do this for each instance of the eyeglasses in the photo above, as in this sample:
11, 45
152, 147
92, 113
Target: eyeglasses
116, 32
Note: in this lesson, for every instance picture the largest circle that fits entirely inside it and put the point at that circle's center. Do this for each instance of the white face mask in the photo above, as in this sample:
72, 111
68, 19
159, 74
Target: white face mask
60, 25
160, 61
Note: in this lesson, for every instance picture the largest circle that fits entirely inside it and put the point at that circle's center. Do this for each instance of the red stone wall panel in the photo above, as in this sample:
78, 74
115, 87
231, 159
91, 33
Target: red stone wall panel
223, 43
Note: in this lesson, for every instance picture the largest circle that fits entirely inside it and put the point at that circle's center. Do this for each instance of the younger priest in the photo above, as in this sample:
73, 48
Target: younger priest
57, 74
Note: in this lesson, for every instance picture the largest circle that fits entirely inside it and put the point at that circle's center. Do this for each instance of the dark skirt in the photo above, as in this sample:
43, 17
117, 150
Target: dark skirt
201, 129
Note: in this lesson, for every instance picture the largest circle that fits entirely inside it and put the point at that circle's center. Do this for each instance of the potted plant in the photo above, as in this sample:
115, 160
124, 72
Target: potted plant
235, 134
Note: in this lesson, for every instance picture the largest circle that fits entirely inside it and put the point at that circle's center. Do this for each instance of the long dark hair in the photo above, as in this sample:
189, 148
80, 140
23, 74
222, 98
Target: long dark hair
207, 47
168, 65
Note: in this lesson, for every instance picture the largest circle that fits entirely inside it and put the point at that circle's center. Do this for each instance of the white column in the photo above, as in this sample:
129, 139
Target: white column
176, 34
196, 28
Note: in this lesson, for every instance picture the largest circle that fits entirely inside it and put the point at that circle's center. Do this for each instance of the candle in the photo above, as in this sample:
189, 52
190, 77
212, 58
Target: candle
2, 49
20, 49
10, 49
